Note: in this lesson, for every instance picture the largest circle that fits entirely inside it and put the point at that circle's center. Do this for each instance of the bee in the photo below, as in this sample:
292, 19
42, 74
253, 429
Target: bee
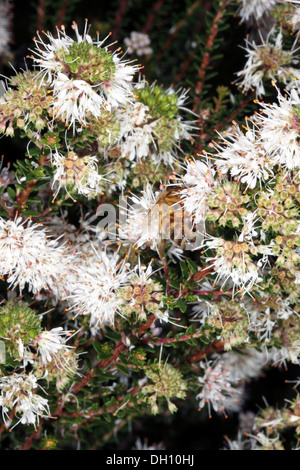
169, 213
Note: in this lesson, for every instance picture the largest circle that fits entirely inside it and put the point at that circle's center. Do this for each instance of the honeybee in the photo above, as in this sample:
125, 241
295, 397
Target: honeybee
174, 225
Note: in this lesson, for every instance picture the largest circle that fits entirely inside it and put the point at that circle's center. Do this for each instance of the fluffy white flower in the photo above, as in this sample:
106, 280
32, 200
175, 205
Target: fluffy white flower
255, 9
245, 364
268, 61
5, 35
138, 43
74, 99
244, 157
294, 20
79, 174
249, 231
284, 354
18, 393
142, 223
199, 181
137, 133
217, 388
94, 289
233, 263
240, 443
261, 440
280, 126
145, 130
86, 78
49, 343
29, 257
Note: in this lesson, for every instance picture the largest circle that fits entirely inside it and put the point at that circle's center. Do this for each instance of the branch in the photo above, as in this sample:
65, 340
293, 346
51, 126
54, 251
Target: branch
103, 364
9, 210
34, 436
216, 346
41, 15
178, 27
61, 13
158, 5
208, 47
22, 198
118, 18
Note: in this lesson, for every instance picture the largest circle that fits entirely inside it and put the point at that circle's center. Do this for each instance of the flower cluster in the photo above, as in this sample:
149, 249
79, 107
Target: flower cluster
18, 394
138, 43
167, 383
268, 61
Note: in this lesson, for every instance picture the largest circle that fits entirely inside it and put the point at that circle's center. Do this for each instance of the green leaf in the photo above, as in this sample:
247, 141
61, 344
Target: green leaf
112, 334
182, 305
191, 342
111, 402
190, 330
32, 213
184, 269
11, 193
204, 340
98, 350
107, 418
175, 284
123, 369
192, 265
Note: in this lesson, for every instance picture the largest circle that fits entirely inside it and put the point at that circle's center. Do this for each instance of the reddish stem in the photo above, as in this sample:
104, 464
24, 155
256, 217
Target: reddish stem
41, 15
158, 5
118, 18
61, 13
216, 346
213, 292
29, 440
178, 27
209, 45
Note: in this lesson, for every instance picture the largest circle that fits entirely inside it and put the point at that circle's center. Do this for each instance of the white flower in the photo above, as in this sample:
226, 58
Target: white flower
6, 176
245, 364
5, 34
79, 174
175, 253
262, 440
280, 130
49, 343
17, 392
86, 77
249, 230
74, 99
264, 314
283, 354
28, 256
139, 445
255, 9
233, 262
294, 20
240, 443
244, 157
94, 289
142, 223
268, 61
217, 388
138, 43
199, 182
137, 134
46, 53
145, 130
